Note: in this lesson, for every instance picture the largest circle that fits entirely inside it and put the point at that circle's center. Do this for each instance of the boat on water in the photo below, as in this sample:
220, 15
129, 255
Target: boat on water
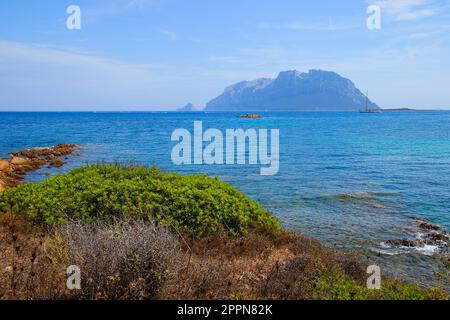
366, 109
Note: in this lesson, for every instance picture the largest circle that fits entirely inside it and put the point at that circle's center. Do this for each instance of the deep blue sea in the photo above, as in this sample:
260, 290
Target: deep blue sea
350, 180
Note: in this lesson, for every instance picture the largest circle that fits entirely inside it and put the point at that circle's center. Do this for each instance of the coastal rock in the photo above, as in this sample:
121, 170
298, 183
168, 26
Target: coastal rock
20, 164
4, 165
3, 185
13, 171
55, 162
56, 151
405, 243
423, 224
18, 161
6, 180
427, 235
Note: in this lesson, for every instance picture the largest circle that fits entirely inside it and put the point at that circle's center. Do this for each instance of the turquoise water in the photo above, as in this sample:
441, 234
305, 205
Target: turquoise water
351, 180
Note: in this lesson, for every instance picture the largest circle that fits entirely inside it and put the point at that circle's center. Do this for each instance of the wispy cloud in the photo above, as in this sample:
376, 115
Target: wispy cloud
44, 53
58, 77
225, 59
329, 25
409, 9
169, 35
129, 4
50, 77
115, 7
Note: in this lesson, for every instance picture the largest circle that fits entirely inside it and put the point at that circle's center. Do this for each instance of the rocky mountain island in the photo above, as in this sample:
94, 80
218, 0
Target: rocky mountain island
315, 90
187, 108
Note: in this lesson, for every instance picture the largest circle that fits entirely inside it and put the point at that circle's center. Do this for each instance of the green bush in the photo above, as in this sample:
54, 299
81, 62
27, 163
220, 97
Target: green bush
190, 203
336, 285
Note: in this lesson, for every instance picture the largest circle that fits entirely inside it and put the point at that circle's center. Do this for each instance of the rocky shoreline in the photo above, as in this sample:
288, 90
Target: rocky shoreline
429, 239
13, 171
262, 265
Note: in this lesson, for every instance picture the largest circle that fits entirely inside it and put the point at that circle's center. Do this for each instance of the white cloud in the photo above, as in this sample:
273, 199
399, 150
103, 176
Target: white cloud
115, 7
46, 77
54, 77
329, 25
408, 9
169, 35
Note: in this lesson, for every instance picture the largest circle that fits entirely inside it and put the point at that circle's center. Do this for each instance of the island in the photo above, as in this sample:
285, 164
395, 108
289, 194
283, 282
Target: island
315, 90
187, 108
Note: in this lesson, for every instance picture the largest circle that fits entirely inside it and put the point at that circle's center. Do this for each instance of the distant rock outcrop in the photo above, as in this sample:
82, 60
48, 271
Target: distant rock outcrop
293, 91
187, 108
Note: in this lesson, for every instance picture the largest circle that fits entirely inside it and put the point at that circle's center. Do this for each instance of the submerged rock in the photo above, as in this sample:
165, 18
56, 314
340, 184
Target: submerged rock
404, 243
426, 225
429, 238
354, 196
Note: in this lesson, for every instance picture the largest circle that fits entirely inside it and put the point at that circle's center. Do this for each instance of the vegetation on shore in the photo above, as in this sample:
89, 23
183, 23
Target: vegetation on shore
194, 204
139, 233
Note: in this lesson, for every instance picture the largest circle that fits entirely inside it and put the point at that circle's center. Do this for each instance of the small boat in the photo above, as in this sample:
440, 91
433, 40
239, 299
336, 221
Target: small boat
250, 116
367, 110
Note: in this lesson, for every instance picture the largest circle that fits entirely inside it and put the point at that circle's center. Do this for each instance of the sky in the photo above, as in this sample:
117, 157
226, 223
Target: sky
136, 55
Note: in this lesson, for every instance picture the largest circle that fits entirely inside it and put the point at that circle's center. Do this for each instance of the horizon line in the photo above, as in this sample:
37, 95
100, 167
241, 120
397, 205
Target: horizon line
205, 111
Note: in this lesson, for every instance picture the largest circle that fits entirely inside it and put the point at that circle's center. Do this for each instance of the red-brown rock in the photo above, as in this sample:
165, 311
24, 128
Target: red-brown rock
12, 172
4, 165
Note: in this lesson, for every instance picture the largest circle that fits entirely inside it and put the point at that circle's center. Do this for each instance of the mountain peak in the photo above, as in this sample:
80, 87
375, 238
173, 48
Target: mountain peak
187, 108
290, 73
292, 90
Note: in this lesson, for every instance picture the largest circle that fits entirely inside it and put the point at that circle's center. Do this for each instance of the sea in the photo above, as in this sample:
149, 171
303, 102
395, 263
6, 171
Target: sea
350, 180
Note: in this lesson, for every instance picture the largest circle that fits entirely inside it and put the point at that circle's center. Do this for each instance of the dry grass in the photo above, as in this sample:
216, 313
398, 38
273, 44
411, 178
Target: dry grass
121, 260
25, 270
138, 260
128, 259
263, 265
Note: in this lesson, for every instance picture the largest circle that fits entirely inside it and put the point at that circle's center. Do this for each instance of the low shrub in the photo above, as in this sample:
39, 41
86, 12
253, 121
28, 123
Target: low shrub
190, 203
336, 285
130, 259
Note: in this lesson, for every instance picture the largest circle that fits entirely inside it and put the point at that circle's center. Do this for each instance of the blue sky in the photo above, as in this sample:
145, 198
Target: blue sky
161, 54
